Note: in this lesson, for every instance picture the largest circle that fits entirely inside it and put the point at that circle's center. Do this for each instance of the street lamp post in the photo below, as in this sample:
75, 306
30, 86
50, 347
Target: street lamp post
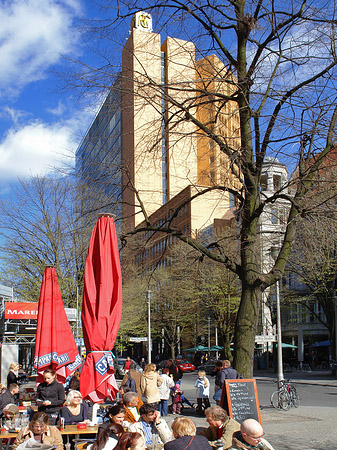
280, 376
148, 297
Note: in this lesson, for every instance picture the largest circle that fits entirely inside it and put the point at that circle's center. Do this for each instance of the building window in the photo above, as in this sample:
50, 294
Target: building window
231, 200
277, 182
263, 182
274, 216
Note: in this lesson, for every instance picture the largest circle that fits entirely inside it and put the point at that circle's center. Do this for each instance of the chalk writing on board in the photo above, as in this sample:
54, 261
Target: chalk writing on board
240, 399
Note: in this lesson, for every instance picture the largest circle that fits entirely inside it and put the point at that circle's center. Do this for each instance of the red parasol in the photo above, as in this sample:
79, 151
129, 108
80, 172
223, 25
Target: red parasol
55, 344
101, 311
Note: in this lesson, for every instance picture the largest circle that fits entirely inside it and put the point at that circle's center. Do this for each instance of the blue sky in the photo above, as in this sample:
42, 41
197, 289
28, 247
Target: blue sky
40, 126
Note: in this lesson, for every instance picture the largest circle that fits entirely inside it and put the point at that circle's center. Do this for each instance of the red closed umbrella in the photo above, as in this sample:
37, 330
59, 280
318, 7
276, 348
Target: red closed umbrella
55, 345
101, 311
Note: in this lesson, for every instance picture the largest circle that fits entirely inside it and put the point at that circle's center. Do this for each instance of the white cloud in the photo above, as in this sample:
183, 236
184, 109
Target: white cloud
33, 35
37, 148
58, 110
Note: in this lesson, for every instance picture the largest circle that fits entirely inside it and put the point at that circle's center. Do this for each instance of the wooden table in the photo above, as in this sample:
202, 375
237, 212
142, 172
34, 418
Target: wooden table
68, 430
72, 429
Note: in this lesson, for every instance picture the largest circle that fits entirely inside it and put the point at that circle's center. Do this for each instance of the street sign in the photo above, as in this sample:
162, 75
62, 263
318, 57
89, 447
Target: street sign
71, 314
263, 338
138, 339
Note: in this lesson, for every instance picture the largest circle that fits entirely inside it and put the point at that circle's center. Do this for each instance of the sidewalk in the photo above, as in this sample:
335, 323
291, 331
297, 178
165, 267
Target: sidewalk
304, 428
317, 377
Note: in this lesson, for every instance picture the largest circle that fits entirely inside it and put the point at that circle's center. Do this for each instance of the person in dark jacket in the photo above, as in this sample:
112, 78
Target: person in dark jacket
174, 371
12, 377
9, 396
134, 375
216, 372
50, 396
184, 432
228, 372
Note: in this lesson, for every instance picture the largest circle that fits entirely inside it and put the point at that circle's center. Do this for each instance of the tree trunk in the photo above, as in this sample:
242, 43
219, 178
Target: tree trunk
245, 330
173, 347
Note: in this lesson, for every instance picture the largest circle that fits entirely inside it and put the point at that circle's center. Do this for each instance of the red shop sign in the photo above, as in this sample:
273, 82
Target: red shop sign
20, 310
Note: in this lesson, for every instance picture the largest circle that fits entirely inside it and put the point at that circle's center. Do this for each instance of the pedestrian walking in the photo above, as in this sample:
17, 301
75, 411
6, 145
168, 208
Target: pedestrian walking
177, 399
149, 384
202, 383
164, 391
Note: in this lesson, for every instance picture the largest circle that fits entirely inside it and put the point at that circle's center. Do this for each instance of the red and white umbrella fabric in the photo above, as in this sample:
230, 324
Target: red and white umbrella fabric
55, 345
101, 311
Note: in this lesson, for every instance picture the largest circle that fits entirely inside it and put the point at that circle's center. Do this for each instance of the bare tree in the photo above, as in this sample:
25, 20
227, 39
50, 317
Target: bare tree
313, 262
273, 69
39, 227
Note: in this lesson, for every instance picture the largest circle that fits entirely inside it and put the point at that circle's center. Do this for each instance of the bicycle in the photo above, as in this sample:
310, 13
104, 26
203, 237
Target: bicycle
285, 397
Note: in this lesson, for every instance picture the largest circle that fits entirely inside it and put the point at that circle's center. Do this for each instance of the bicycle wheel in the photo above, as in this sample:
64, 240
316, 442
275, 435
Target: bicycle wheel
295, 399
280, 400
284, 400
274, 399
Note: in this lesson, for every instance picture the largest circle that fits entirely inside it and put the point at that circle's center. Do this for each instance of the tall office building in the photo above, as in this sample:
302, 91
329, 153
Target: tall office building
140, 151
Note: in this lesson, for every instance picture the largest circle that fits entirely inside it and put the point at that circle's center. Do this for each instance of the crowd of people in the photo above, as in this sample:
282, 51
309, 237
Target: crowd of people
134, 424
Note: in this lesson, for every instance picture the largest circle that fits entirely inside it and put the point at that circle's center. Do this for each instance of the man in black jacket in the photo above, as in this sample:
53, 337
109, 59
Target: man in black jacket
174, 371
9, 396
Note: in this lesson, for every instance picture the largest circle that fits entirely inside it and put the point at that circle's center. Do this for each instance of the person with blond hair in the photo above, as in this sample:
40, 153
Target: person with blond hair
202, 383
184, 433
12, 376
75, 409
149, 384
221, 427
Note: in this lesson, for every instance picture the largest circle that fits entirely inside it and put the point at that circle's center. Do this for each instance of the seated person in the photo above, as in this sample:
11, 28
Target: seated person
132, 441
115, 415
8, 414
132, 403
74, 383
250, 436
107, 438
9, 396
75, 410
41, 431
151, 424
221, 426
184, 433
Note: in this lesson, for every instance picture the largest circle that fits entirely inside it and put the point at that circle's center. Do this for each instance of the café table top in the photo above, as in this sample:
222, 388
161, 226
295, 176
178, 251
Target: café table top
68, 430
72, 429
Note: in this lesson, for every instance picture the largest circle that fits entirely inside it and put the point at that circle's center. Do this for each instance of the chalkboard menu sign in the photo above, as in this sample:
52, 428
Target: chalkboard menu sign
239, 398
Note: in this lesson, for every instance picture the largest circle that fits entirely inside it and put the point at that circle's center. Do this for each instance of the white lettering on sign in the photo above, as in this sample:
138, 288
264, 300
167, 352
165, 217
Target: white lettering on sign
21, 310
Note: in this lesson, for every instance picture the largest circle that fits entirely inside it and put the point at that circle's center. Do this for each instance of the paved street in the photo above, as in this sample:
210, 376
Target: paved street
313, 426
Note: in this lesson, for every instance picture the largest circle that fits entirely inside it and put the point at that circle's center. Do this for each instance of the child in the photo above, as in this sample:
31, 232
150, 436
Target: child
202, 383
176, 398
